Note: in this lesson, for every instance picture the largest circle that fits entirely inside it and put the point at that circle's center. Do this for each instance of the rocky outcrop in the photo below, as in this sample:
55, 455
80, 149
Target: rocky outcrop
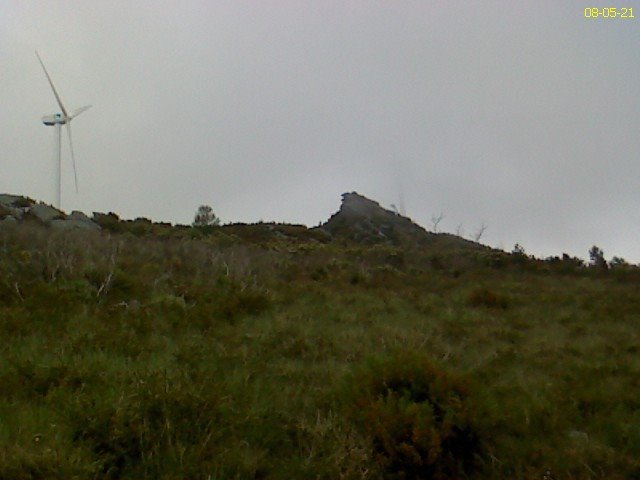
15, 209
365, 221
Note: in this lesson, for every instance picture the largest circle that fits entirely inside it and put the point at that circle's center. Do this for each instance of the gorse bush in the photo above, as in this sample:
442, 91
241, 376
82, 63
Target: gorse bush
418, 419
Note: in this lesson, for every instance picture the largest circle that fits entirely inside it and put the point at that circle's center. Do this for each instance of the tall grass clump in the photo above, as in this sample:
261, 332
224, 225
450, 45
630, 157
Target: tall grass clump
161, 422
417, 418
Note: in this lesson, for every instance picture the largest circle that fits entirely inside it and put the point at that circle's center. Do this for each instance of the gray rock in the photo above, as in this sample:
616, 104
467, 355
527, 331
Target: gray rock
11, 200
14, 208
62, 224
579, 436
14, 205
17, 212
77, 215
45, 213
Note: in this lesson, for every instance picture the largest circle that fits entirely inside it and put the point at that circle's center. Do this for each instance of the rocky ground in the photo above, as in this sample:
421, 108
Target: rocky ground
17, 209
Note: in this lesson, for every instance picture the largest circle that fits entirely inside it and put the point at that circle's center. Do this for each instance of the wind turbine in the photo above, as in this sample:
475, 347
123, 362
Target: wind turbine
57, 120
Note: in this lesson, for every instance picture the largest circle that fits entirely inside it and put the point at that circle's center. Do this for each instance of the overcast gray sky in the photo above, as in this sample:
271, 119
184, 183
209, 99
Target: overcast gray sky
521, 115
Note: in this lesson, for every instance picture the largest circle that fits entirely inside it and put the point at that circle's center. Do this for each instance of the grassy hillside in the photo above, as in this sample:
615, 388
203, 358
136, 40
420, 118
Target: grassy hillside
146, 351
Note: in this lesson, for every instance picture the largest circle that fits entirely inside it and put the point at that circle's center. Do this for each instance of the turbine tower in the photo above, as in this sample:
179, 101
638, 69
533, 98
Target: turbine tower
57, 120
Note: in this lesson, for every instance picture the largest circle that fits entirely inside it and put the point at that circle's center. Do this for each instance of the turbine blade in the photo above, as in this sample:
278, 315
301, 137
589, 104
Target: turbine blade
73, 157
64, 110
79, 111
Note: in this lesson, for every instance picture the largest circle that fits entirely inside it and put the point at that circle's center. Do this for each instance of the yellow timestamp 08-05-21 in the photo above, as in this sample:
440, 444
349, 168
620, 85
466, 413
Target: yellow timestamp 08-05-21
608, 12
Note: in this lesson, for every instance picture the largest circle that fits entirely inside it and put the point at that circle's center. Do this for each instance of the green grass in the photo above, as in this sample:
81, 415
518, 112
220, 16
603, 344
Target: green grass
148, 356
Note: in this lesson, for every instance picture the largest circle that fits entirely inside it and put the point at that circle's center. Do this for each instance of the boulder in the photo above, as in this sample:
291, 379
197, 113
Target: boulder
4, 211
17, 213
45, 213
14, 205
63, 224
15, 200
77, 215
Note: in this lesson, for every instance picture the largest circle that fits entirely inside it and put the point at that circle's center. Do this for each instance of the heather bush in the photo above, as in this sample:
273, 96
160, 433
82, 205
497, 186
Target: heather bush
418, 418
485, 297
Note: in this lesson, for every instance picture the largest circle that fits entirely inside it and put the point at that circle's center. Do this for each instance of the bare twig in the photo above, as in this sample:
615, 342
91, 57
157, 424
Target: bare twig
105, 285
435, 221
479, 233
17, 287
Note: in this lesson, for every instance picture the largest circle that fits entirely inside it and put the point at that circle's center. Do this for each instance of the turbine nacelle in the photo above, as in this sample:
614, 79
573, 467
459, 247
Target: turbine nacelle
55, 119
61, 119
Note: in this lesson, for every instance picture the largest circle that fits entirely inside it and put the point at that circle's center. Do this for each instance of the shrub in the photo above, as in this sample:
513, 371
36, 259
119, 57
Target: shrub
519, 256
483, 297
319, 273
417, 418
23, 202
109, 221
139, 227
493, 259
565, 264
597, 258
618, 262
205, 217
241, 302
79, 291
46, 299
436, 262
225, 300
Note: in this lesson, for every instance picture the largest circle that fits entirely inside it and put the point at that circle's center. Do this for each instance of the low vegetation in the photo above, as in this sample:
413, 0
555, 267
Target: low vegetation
276, 352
